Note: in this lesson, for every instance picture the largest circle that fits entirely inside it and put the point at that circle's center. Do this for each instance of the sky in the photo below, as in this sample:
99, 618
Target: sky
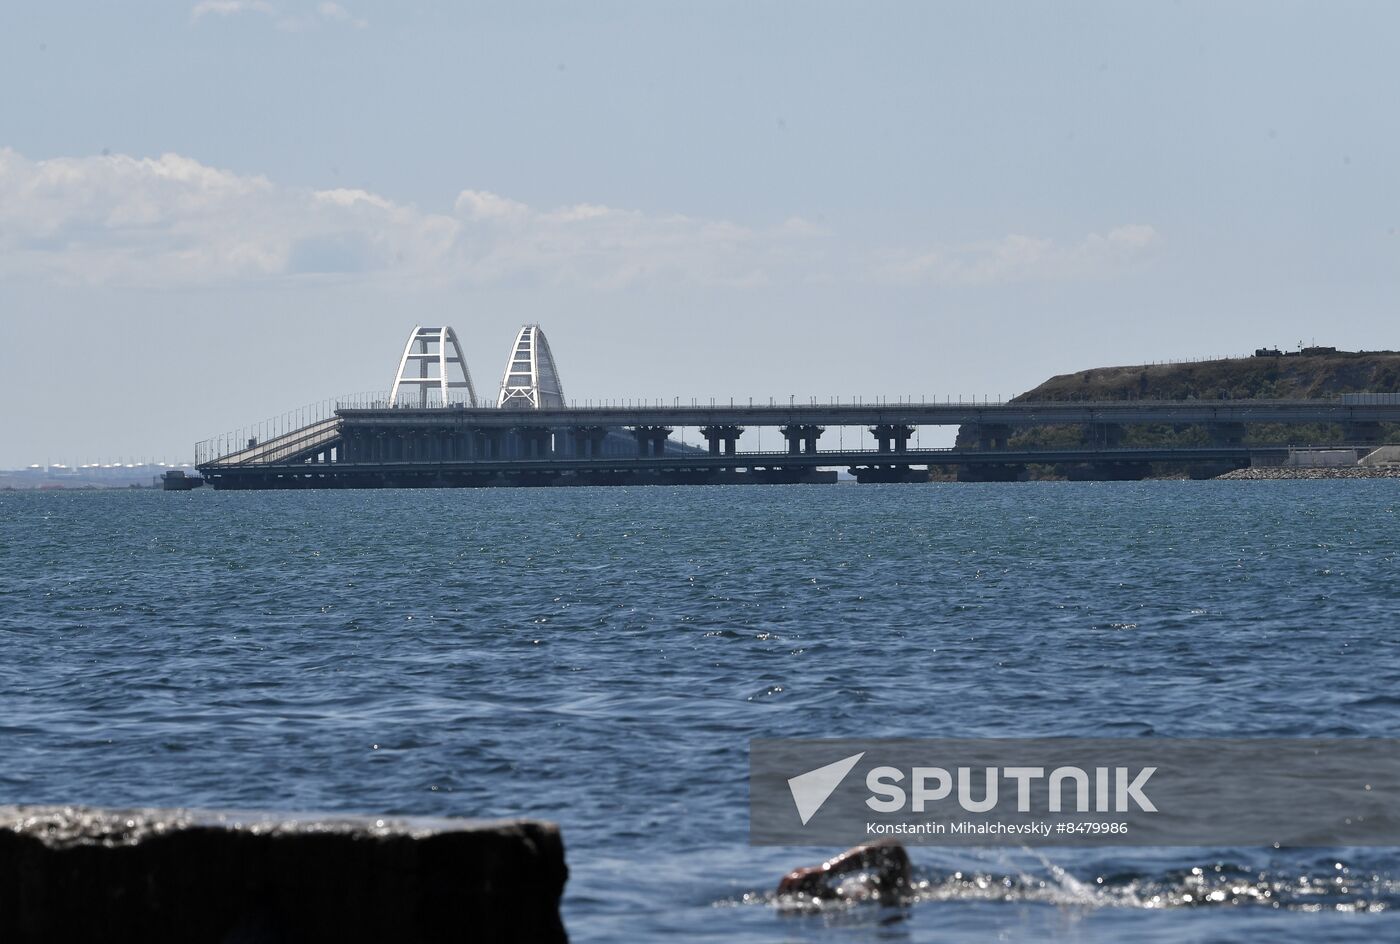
214, 211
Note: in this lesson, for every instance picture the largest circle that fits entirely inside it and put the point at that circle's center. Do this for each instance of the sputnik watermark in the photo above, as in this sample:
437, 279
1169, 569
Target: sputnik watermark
1143, 791
812, 789
888, 796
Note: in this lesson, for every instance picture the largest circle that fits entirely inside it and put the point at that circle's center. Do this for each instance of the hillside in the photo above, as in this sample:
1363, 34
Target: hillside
1316, 372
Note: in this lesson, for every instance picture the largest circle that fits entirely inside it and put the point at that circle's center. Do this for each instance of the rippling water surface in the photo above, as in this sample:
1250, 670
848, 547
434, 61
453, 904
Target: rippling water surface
600, 657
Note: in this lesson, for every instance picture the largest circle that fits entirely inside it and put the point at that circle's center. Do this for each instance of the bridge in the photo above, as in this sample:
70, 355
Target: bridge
431, 431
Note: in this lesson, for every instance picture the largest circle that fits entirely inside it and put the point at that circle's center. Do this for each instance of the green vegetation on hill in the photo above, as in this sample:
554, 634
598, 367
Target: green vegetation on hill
1326, 374
1245, 378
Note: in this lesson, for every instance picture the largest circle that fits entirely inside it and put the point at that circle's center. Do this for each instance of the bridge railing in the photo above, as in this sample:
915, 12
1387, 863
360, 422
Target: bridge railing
226, 445
301, 442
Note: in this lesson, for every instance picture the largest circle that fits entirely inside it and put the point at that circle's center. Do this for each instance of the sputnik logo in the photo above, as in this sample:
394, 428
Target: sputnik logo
812, 789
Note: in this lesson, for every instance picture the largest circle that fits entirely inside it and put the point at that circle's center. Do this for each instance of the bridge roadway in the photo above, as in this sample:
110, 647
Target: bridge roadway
459, 445
911, 414
866, 464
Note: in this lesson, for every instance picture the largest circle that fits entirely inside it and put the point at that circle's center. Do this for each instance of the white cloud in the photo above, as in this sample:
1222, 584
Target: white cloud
1019, 258
336, 13
171, 221
297, 19
230, 7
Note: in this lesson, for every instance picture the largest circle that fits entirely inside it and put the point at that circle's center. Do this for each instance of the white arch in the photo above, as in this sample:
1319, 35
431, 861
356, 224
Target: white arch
531, 381
434, 346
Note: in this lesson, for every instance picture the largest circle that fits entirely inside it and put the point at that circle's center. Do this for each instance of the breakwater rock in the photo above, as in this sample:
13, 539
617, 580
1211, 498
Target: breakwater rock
75, 873
1345, 472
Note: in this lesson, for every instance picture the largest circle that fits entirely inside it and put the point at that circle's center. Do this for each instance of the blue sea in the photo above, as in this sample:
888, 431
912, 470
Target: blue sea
601, 658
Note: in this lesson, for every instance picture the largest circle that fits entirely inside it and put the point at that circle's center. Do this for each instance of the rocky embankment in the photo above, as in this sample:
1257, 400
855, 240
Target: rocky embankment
1345, 472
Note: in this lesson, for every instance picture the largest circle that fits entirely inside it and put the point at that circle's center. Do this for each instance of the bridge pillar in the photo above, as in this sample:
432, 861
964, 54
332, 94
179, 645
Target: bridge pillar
488, 442
992, 435
461, 446
1103, 435
1226, 434
801, 437
651, 440
892, 433
1363, 433
588, 440
724, 435
537, 442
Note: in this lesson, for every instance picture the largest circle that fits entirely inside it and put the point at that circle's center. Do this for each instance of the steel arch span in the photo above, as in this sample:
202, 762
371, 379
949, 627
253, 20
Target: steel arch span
428, 364
531, 380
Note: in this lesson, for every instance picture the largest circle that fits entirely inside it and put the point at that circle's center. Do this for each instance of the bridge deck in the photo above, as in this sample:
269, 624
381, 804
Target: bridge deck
911, 414
366, 474
290, 447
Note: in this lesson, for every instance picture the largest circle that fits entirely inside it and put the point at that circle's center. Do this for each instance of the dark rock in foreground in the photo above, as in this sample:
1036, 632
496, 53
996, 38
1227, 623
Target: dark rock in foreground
73, 873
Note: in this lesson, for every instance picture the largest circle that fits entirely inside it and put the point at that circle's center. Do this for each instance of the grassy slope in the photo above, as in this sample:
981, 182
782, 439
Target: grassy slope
1238, 379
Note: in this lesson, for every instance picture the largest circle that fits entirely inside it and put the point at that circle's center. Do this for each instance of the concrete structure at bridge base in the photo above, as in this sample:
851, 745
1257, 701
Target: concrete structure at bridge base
77, 874
889, 473
1385, 456
1106, 471
988, 472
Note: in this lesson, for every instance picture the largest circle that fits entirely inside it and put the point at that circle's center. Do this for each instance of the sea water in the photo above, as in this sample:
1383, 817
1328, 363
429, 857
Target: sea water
601, 658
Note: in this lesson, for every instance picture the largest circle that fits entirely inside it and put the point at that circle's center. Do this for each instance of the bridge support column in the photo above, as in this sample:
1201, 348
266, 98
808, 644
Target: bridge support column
992, 435
801, 438
536, 442
651, 440
1363, 433
1226, 434
461, 446
892, 434
488, 442
588, 441
1103, 435
717, 436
